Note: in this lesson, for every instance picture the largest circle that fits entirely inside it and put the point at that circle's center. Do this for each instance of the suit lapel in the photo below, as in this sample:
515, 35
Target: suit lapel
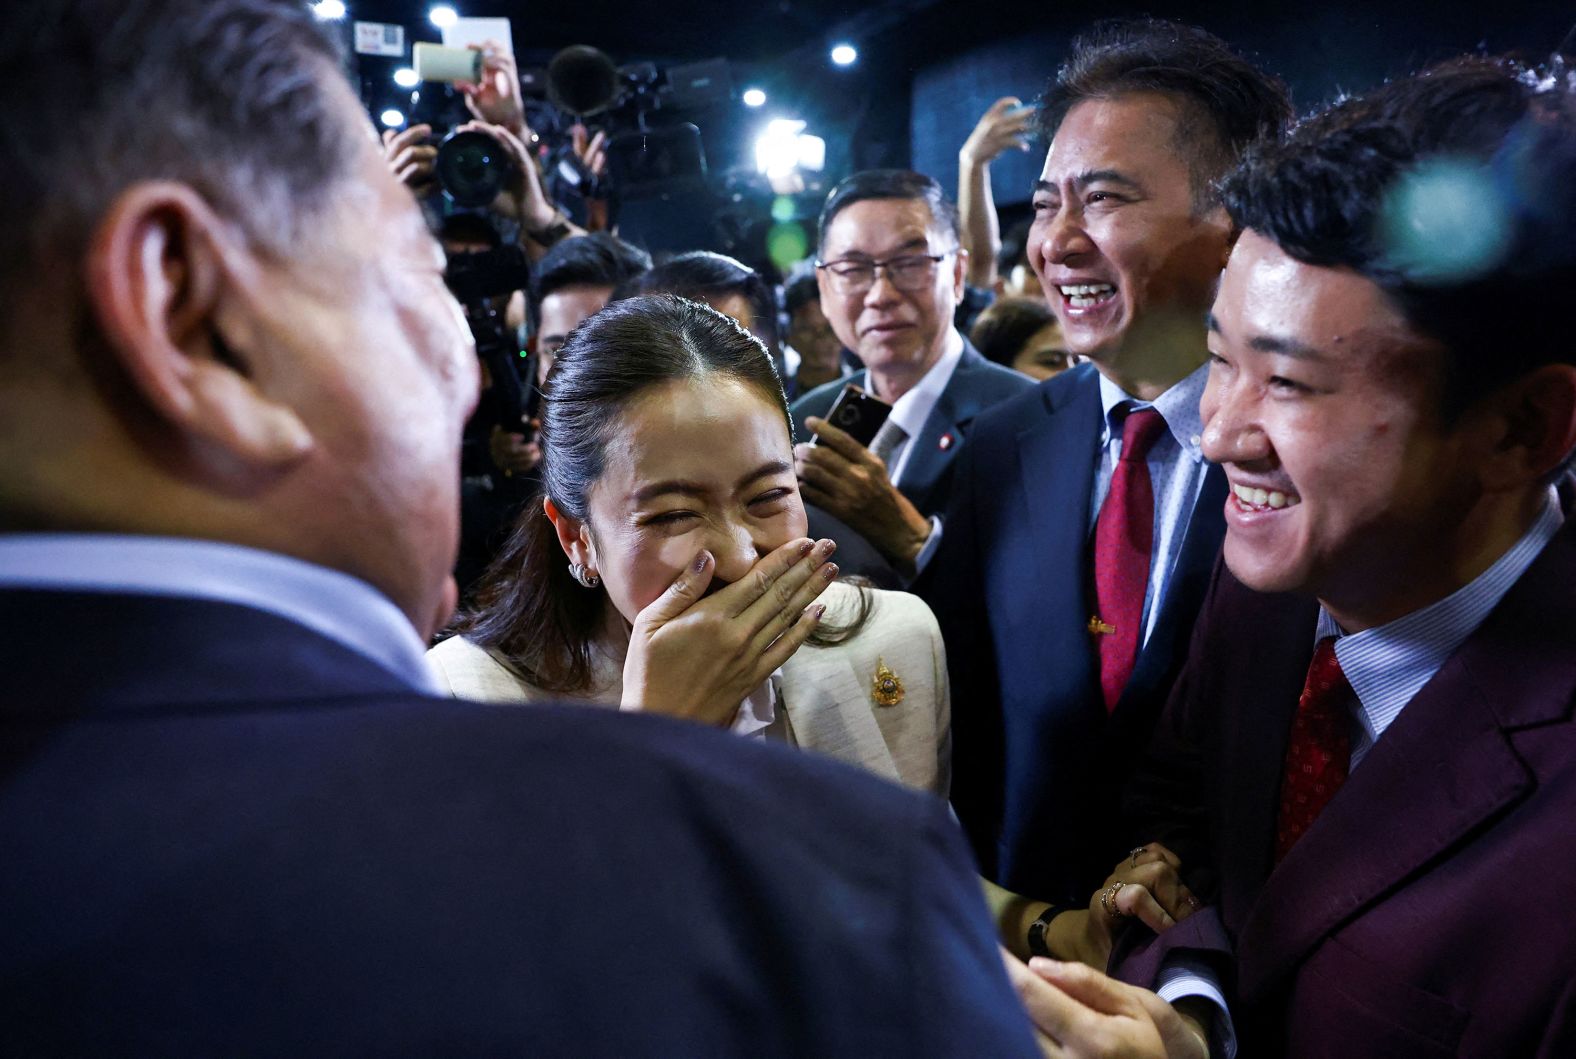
1441, 770
828, 704
954, 410
1056, 463
1184, 589
1262, 685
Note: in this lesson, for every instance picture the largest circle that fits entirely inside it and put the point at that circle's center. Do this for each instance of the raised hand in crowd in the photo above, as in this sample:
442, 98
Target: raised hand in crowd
1004, 125
698, 655
411, 156
848, 480
542, 223
590, 149
496, 98
1079, 1013
512, 452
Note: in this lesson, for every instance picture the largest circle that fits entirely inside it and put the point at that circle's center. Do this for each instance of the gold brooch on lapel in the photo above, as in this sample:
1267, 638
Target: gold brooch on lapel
887, 687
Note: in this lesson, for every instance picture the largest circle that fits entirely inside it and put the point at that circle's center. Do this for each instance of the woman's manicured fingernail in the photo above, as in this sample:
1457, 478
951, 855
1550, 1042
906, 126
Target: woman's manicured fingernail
829, 571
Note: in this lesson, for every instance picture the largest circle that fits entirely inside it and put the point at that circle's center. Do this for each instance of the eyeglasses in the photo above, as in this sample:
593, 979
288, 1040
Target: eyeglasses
910, 272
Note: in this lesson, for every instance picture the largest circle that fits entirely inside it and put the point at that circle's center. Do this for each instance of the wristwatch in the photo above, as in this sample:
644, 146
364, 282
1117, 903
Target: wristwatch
1042, 923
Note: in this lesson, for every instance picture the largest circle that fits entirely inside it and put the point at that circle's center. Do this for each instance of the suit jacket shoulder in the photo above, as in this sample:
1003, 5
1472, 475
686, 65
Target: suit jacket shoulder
301, 857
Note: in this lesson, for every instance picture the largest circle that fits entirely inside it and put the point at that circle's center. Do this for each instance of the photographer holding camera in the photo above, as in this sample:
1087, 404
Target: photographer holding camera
495, 103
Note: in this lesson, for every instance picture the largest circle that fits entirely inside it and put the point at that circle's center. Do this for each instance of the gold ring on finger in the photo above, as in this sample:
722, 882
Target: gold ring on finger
1108, 901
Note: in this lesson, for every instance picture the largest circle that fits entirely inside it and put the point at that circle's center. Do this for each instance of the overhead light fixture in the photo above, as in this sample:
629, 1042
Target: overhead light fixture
845, 55
754, 97
443, 16
329, 10
405, 77
392, 119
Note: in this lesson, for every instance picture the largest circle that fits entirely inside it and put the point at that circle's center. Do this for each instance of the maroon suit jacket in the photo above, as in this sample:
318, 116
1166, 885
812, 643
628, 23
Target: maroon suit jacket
1431, 909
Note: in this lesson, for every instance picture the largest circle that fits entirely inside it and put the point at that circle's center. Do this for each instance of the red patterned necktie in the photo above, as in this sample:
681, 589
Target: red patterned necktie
1124, 535
1320, 751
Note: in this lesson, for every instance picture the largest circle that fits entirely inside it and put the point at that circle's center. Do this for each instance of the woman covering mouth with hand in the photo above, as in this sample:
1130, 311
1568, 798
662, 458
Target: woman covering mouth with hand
666, 569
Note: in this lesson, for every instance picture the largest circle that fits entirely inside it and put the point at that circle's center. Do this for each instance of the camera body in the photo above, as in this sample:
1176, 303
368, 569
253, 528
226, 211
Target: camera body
478, 280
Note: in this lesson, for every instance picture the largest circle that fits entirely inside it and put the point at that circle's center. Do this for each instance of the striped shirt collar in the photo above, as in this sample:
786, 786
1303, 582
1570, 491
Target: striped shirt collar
1389, 664
335, 605
1178, 406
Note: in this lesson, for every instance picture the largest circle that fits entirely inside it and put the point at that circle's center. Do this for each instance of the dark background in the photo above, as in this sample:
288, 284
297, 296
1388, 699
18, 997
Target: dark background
928, 68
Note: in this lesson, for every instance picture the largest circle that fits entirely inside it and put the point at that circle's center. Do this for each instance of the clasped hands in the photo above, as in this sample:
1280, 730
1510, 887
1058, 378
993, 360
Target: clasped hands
698, 656
848, 481
1079, 1011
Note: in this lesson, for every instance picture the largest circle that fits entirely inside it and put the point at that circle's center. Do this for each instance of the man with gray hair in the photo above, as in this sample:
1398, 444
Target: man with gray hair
233, 820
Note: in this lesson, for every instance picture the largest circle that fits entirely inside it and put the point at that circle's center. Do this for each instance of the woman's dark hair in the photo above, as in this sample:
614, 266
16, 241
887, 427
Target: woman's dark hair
527, 606
1006, 324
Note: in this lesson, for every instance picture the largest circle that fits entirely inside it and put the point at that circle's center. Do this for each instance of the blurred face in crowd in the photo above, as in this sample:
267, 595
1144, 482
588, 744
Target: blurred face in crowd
1323, 406
561, 312
1044, 354
888, 328
811, 334
1123, 258
358, 336
700, 463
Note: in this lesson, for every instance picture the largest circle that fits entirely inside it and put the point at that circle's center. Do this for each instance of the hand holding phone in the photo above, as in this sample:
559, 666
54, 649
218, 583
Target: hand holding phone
857, 414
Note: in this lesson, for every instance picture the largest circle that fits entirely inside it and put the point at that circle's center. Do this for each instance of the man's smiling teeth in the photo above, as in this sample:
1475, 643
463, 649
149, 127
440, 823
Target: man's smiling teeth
1261, 498
1084, 295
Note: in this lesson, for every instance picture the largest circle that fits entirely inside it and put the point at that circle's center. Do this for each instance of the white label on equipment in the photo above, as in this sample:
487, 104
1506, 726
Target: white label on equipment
380, 38
467, 32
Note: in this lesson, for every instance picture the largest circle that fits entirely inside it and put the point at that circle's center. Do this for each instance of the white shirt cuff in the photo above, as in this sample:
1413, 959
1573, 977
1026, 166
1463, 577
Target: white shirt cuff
1181, 977
931, 544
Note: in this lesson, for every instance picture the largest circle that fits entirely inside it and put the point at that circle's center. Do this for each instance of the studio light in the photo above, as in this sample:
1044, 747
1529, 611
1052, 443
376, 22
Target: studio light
845, 55
405, 77
392, 119
329, 10
754, 97
443, 15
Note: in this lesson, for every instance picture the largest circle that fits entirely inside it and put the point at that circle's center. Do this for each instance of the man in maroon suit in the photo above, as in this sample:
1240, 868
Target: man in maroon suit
1368, 769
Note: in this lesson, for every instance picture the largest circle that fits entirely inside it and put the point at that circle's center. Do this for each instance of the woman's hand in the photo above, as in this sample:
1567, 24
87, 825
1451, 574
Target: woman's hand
1146, 885
699, 657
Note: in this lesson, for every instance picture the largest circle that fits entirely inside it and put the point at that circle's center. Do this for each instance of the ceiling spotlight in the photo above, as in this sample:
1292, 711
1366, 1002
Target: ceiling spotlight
392, 119
754, 97
329, 10
844, 55
405, 77
443, 15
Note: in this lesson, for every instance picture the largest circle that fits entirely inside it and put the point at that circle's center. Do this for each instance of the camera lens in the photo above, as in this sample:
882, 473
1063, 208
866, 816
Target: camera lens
472, 169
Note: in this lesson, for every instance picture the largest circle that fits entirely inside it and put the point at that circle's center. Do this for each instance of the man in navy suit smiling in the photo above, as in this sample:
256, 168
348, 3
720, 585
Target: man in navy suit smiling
1084, 518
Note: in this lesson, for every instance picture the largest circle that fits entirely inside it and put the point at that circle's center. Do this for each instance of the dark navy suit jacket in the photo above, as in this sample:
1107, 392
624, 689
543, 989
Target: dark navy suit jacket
1407, 922
1038, 764
222, 834
976, 385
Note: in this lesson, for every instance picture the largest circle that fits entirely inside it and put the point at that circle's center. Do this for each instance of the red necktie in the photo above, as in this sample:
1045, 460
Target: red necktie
1124, 535
1320, 750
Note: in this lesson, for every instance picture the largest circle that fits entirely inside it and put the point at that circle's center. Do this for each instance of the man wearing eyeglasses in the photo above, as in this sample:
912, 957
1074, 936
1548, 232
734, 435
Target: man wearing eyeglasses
891, 272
